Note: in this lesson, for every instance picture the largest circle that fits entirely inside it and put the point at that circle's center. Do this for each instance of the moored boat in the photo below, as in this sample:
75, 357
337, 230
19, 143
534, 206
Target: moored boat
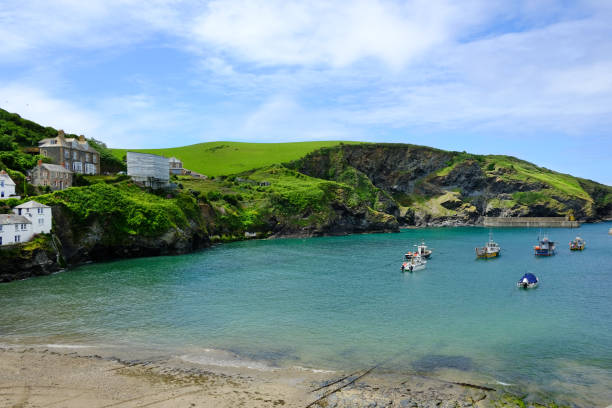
490, 250
528, 281
416, 263
421, 251
545, 248
578, 244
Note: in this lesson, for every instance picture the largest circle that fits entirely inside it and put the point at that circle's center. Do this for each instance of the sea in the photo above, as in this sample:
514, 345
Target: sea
342, 303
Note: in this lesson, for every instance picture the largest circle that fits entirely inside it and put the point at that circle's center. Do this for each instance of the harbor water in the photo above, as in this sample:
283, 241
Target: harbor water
341, 303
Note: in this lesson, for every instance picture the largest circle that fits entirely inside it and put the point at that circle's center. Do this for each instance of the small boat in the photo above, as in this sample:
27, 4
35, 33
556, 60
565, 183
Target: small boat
421, 251
490, 250
578, 244
546, 248
528, 281
416, 263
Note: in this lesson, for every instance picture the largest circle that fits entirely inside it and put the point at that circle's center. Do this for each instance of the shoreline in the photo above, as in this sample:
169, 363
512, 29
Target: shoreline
76, 376
50, 270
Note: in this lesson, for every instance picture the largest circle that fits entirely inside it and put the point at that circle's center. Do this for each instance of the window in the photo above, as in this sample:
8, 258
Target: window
1, 193
24, 227
77, 166
75, 155
1, 183
0, 237
54, 141
67, 154
0, 228
87, 158
90, 168
17, 238
67, 165
95, 158
43, 152
41, 221
16, 227
40, 210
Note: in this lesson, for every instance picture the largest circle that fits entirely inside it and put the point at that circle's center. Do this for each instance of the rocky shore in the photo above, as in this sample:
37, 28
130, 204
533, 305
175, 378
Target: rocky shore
45, 376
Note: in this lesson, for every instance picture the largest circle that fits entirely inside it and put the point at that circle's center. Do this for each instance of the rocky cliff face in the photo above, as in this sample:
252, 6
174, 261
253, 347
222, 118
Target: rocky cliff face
92, 242
435, 187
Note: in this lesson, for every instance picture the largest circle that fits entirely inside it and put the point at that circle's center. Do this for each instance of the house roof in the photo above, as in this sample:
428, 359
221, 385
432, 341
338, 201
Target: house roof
7, 179
174, 159
63, 142
32, 204
55, 167
13, 219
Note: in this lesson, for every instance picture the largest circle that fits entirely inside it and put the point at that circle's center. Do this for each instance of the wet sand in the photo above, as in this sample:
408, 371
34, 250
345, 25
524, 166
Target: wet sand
46, 377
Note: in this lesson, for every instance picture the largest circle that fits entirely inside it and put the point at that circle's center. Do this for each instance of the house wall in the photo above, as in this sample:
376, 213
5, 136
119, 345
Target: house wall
8, 233
73, 158
41, 218
6, 189
55, 179
142, 167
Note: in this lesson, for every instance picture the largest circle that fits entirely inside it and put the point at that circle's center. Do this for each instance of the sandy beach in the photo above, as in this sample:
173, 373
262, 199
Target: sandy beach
44, 377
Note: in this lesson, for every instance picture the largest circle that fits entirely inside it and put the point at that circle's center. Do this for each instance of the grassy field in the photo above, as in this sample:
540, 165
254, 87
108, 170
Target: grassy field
223, 158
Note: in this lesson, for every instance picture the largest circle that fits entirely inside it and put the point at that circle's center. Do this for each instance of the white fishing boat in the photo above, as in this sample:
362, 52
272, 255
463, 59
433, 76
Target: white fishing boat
421, 251
416, 263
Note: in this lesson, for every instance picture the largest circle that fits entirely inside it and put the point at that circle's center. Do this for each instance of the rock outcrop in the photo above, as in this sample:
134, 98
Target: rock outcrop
431, 187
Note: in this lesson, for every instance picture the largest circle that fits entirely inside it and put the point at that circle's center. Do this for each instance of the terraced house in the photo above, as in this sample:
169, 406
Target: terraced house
53, 175
73, 153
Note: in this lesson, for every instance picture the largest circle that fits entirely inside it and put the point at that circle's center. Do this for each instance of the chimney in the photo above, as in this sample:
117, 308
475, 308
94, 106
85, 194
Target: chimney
39, 162
61, 133
82, 138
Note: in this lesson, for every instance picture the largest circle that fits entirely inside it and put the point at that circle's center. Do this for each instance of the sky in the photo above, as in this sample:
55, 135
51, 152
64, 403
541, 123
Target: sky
527, 78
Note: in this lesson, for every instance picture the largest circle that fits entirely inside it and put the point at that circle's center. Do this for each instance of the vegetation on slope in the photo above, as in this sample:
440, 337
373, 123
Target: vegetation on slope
225, 158
123, 209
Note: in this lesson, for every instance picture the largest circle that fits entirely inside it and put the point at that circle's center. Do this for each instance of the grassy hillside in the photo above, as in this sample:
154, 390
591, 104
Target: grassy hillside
223, 158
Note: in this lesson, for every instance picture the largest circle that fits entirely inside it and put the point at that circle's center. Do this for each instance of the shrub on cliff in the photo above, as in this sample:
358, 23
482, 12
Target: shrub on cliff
123, 209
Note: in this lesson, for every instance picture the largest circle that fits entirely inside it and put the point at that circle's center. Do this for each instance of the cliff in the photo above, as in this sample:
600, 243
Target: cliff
435, 187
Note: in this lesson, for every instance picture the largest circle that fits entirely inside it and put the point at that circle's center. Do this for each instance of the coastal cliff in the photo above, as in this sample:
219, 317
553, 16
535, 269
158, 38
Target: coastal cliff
435, 187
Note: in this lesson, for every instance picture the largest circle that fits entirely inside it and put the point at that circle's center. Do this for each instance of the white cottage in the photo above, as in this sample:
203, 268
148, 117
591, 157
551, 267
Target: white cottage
39, 214
7, 186
14, 229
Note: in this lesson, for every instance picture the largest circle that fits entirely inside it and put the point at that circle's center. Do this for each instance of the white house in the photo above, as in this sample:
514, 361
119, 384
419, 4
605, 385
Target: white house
7, 186
39, 215
15, 229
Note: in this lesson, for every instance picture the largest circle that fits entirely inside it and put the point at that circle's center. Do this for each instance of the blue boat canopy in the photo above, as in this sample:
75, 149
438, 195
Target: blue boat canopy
530, 278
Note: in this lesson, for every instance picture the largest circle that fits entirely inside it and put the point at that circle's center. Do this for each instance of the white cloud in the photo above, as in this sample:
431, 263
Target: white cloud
337, 34
40, 107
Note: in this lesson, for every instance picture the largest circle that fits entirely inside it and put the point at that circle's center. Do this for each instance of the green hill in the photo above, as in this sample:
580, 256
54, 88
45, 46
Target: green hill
223, 158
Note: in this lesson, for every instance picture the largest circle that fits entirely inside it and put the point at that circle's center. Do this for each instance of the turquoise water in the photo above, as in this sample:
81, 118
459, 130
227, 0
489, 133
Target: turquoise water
342, 303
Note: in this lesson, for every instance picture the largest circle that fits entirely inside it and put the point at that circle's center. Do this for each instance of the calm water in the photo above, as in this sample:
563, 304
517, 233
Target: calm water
342, 303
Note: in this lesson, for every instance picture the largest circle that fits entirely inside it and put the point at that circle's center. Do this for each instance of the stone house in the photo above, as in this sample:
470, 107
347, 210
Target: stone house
176, 166
149, 170
27, 220
73, 153
7, 186
52, 175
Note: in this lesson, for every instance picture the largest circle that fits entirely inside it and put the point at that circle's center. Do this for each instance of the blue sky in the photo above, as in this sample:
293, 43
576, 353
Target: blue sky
531, 78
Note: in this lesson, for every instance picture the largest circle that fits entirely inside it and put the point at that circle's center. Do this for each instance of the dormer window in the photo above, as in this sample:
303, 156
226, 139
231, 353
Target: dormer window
53, 141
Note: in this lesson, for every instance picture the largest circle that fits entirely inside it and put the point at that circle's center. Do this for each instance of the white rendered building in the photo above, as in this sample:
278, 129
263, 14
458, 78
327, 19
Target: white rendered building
15, 229
39, 215
7, 186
